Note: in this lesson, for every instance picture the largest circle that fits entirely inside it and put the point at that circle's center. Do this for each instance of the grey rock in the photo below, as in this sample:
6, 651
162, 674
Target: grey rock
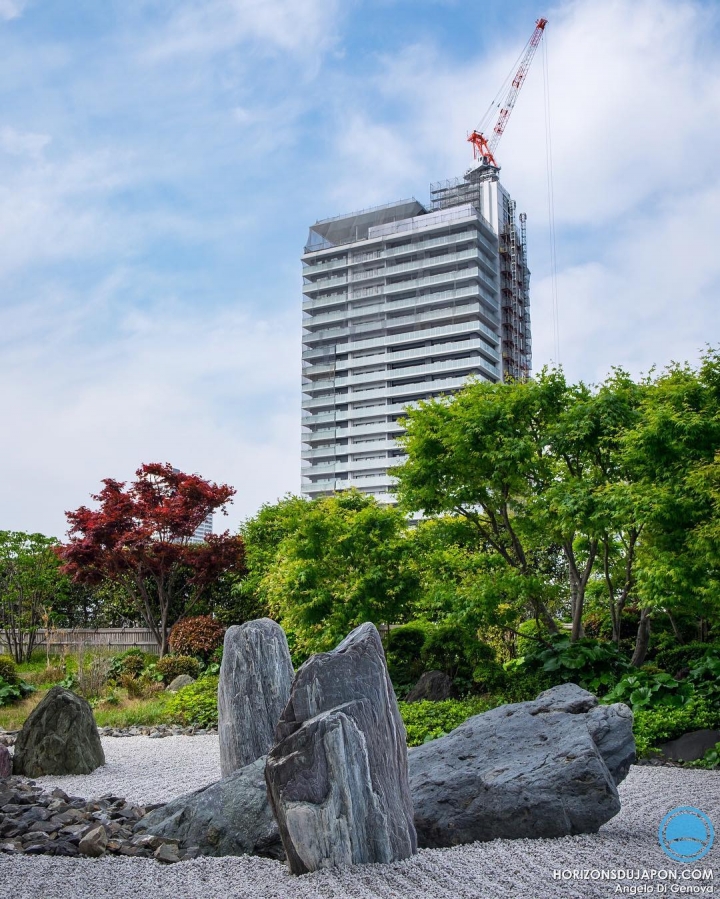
434, 686
337, 778
182, 680
691, 746
255, 678
5, 762
167, 853
532, 769
610, 726
59, 737
230, 817
94, 842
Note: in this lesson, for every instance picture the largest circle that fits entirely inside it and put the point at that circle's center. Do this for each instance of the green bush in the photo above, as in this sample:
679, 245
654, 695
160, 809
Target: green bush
403, 646
678, 658
591, 664
705, 677
425, 721
8, 670
172, 666
9, 693
522, 685
130, 663
457, 652
195, 704
644, 689
655, 726
710, 760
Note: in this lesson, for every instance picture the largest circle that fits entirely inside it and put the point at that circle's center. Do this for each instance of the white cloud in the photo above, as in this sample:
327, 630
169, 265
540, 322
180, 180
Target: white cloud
301, 27
217, 395
26, 143
11, 9
635, 101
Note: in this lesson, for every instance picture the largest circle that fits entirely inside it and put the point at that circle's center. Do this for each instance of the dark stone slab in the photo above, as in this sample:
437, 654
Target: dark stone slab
532, 769
59, 737
230, 817
5, 762
255, 678
434, 686
691, 746
337, 778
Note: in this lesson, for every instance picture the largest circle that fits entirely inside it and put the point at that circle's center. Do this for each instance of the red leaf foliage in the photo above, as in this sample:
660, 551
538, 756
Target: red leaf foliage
143, 533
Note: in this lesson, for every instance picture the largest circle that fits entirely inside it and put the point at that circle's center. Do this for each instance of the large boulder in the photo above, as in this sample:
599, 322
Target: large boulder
255, 678
59, 737
337, 778
546, 768
5, 762
434, 686
230, 817
177, 683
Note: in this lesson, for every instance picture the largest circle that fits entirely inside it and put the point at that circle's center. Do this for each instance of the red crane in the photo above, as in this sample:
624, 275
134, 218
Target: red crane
483, 148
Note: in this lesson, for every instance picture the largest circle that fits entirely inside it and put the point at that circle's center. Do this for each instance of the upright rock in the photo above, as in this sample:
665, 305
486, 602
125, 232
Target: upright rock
5, 762
255, 678
230, 817
337, 778
59, 737
546, 768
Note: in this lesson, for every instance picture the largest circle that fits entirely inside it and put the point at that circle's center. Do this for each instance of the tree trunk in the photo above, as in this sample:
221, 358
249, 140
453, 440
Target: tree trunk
673, 625
642, 641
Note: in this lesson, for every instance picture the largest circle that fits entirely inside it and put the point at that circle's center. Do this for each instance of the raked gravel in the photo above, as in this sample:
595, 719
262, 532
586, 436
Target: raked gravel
152, 770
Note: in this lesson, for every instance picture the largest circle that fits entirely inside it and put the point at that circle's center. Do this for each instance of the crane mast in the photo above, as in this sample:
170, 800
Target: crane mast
484, 148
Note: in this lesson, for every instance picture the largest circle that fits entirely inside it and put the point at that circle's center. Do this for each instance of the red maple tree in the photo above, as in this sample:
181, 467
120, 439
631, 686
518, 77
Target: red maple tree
141, 538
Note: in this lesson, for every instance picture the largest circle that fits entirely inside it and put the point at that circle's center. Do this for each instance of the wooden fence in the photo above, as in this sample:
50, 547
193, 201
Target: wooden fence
111, 639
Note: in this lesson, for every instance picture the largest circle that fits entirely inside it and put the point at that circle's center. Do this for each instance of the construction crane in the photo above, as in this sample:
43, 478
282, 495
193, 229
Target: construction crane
484, 148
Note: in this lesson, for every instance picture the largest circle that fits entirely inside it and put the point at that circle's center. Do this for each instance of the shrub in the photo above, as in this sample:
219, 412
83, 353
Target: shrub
587, 662
132, 663
195, 704
403, 646
679, 658
654, 726
425, 721
705, 677
522, 685
140, 687
645, 688
9, 693
8, 670
172, 666
198, 636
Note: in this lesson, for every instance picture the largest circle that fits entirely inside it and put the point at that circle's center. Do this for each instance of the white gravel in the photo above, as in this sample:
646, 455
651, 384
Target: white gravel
154, 770
144, 769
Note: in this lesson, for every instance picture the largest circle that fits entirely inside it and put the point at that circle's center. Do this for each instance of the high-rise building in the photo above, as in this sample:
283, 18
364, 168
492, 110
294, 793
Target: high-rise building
402, 303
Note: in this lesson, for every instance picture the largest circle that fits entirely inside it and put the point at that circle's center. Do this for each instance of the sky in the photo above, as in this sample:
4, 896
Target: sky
162, 160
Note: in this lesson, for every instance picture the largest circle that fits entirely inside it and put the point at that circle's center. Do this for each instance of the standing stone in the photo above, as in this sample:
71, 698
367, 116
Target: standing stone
337, 778
5, 762
59, 737
546, 768
255, 678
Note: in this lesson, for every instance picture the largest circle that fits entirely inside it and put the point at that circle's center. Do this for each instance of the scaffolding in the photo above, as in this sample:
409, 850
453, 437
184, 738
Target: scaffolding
514, 295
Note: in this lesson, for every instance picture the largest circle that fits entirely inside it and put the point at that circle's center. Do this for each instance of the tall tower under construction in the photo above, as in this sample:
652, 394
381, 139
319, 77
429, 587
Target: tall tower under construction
402, 303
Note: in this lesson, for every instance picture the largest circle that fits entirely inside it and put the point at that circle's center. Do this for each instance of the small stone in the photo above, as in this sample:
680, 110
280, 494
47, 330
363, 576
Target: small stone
182, 680
94, 842
434, 686
167, 853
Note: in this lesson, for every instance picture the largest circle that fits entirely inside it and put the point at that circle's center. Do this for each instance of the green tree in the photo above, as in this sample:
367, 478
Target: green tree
346, 561
672, 453
30, 580
263, 534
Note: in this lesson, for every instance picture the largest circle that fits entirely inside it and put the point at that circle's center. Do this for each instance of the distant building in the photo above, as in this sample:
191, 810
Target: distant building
203, 530
404, 303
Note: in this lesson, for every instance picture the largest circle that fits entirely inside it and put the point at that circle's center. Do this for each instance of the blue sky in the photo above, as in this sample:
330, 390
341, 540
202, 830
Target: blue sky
160, 163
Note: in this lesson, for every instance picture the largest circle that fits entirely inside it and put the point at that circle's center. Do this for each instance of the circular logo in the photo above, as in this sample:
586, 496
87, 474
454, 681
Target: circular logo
686, 834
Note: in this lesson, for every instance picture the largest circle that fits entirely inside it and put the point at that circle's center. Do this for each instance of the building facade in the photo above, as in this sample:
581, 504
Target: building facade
402, 303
